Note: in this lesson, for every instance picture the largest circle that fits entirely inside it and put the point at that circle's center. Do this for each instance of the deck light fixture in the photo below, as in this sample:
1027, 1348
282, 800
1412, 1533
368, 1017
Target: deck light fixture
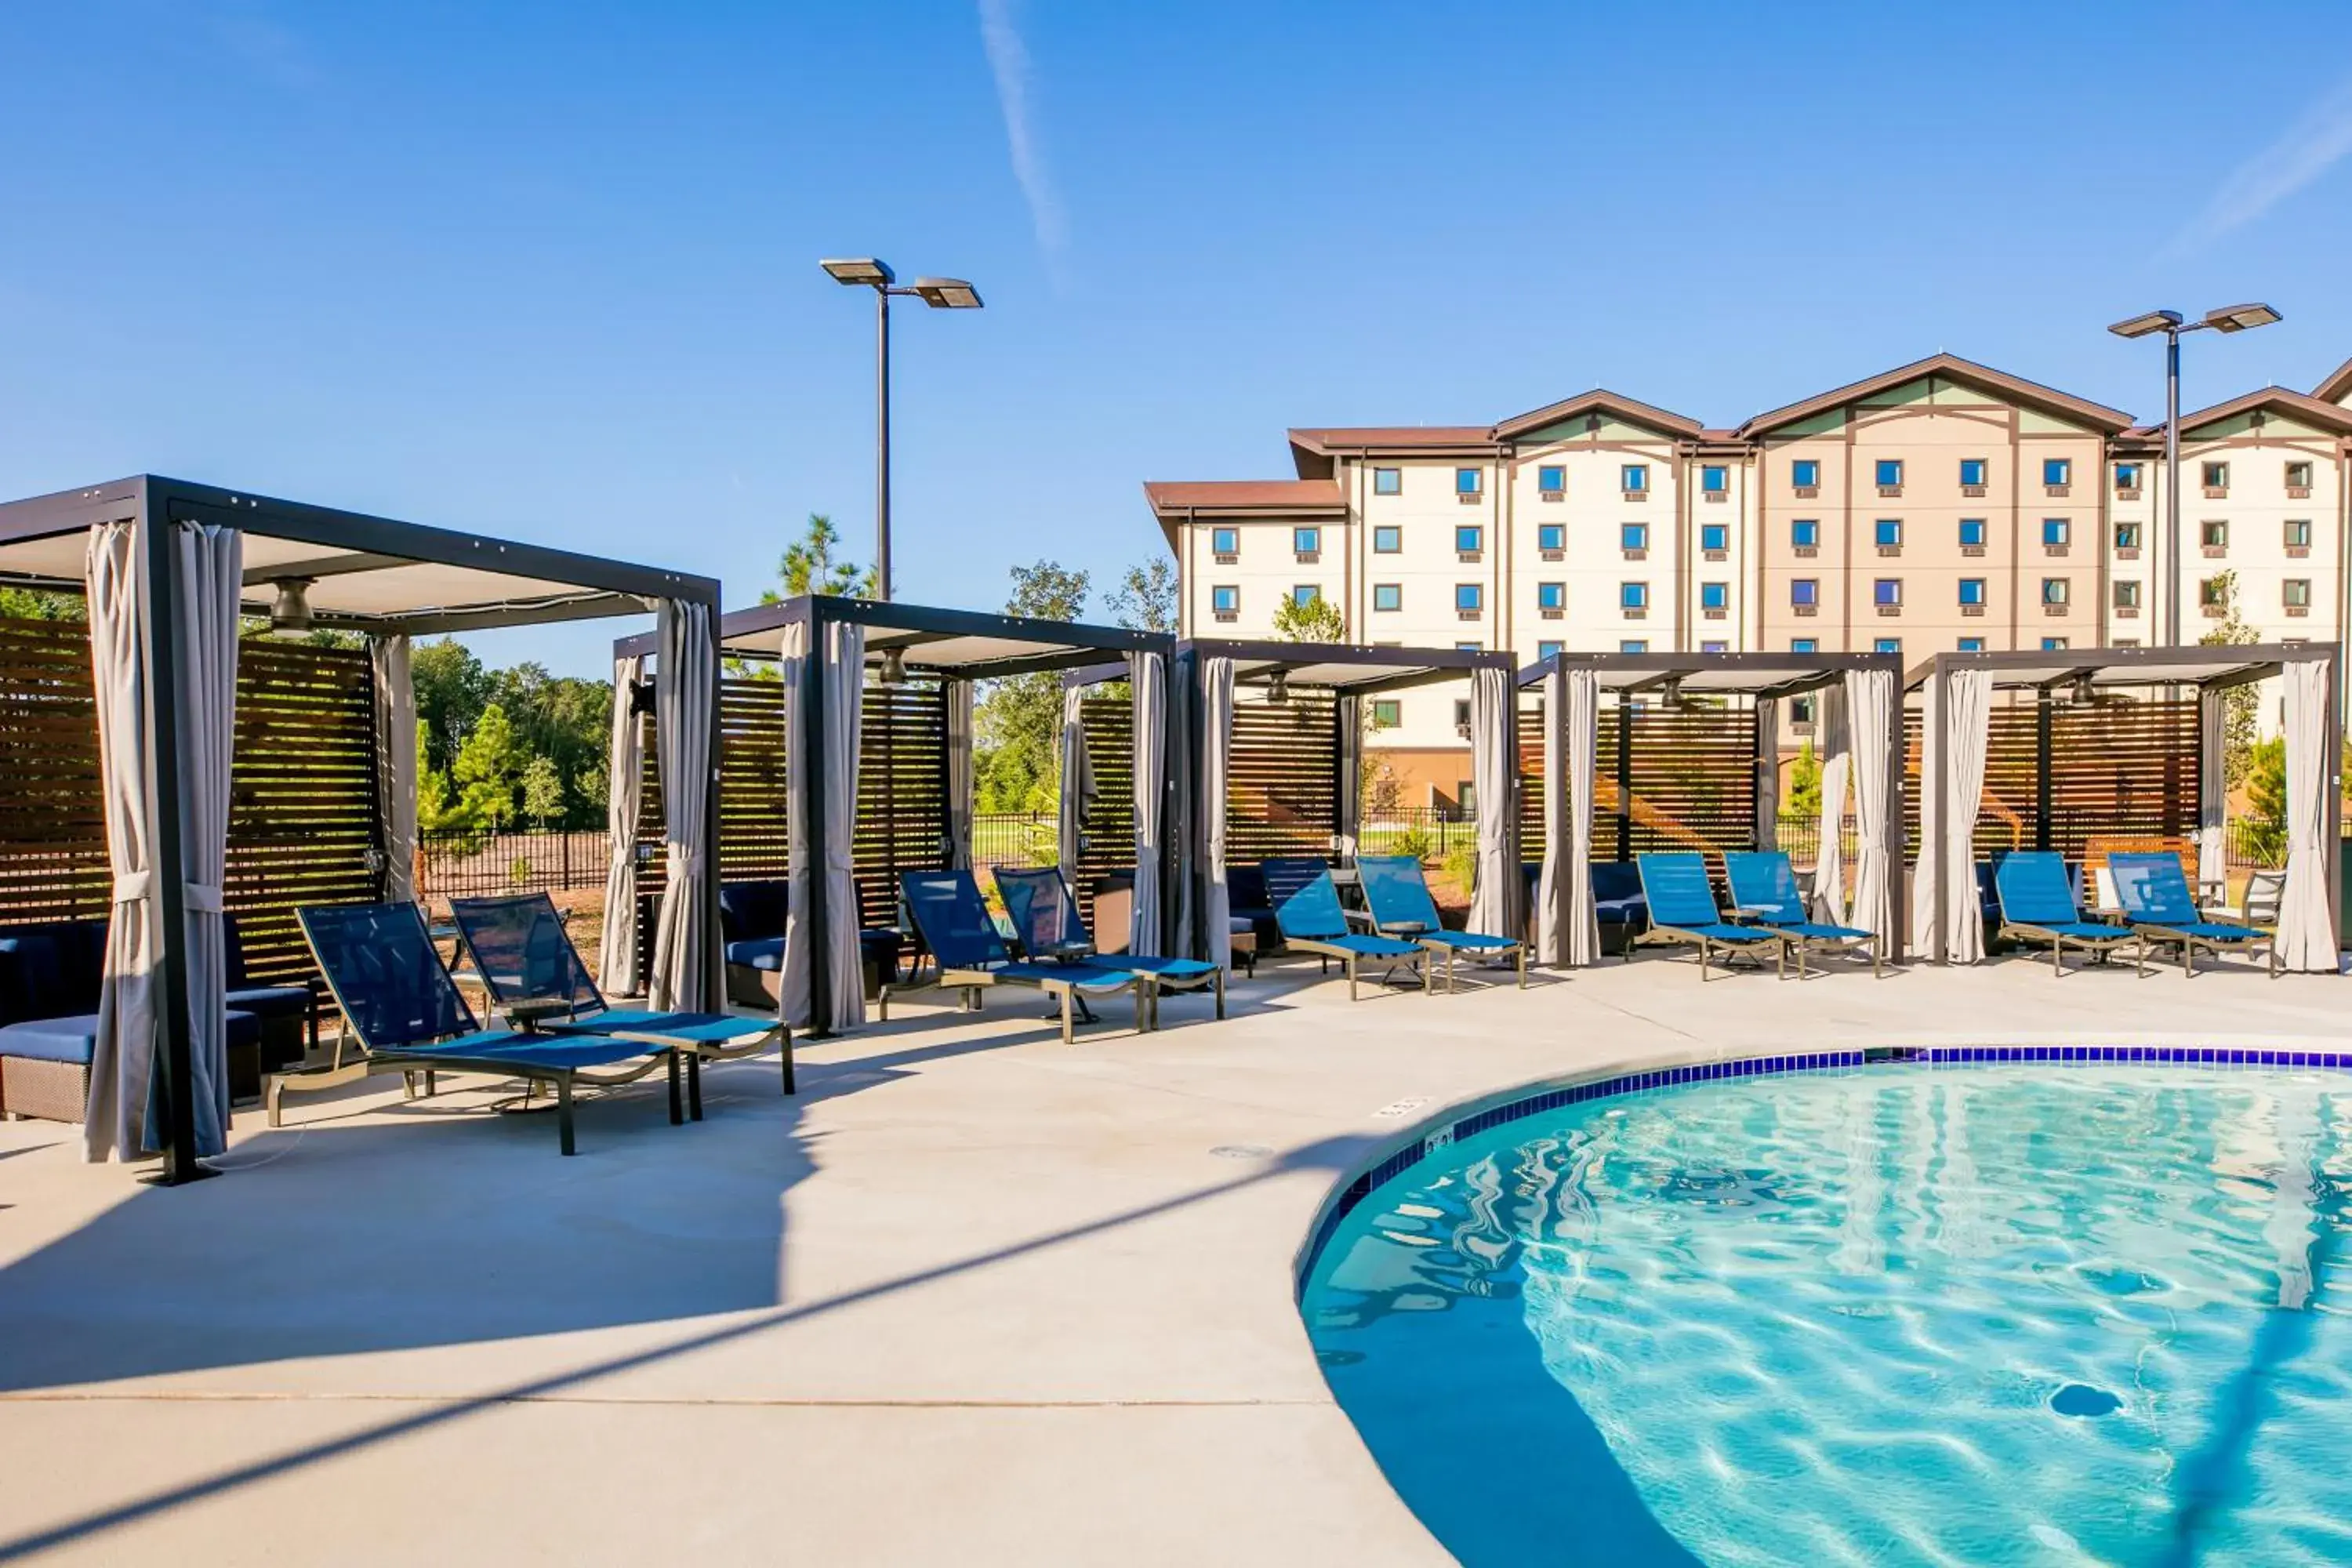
289, 612
1277, 690
2227, 319
894, 667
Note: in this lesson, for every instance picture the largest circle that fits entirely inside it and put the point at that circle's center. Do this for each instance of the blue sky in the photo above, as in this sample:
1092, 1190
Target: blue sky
550, 270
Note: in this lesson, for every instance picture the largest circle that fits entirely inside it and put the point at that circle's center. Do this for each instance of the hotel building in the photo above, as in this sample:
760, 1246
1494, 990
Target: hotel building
1942, 505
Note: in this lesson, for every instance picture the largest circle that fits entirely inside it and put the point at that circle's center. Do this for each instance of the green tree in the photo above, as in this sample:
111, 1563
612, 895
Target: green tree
1145, 599
2242, 715
542, 790
808, 567
2266, 800
1014, 758
488, 767
1314, 620
452, 688
36, 604
438, 809
1803, 796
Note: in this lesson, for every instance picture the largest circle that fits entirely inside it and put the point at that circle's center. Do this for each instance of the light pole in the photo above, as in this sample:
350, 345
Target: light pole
940, 294
2228, 318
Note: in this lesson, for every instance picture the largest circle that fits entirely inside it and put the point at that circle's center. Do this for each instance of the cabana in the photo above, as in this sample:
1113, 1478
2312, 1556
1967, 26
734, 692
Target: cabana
171, 571
1688, 758
884, 693
2095, 752
1270, 737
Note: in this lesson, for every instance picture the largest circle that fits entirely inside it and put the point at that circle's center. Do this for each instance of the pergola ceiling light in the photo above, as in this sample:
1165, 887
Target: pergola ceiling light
1278, 690
894, 667
289, 612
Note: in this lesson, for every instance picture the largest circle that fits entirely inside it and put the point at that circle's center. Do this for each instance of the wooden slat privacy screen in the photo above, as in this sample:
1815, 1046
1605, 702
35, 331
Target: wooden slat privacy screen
1693, 775
752, 800
1109, 725
2118, 771
1284, 799
302, 814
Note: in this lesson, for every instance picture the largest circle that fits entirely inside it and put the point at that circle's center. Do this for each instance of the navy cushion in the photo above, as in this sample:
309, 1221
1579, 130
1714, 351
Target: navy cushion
765, 952
748, 911
75, 1039
1622, 911
271, 1001
50, 970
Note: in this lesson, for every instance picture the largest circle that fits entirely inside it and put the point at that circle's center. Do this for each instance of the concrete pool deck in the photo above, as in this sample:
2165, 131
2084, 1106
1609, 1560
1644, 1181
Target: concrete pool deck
974, 1297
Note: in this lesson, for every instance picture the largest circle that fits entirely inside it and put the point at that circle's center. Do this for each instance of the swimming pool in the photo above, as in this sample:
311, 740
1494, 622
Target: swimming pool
1886, 1314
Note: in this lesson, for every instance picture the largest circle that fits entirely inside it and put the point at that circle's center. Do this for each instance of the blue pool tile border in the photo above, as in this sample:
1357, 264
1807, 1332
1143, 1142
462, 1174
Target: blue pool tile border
1413, 1151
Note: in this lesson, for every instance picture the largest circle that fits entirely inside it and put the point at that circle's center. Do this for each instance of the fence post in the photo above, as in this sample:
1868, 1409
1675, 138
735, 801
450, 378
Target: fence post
567, 860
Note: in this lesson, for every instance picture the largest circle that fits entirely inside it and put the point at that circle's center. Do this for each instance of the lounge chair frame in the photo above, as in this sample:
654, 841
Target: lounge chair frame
1668, 934
1068, 992
2156, 933
1437, 941
1157, 981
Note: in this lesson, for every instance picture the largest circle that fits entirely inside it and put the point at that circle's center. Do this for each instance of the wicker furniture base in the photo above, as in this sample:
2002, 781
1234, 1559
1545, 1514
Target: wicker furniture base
43, 1090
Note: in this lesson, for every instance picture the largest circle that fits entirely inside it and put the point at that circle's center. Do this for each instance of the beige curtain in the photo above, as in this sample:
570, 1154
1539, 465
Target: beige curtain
2307, 931
1768, 773
395, 752
1833, 748
1494, 894
1216, 766
1872, 700
1568, 931
958, 694
1077, 790
1146, 678
618, 969
840, 680
687, 975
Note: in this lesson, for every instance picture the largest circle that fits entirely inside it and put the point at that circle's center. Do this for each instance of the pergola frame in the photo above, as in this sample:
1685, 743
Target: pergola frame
581, 587
756, 633
1760, 676
2049, 672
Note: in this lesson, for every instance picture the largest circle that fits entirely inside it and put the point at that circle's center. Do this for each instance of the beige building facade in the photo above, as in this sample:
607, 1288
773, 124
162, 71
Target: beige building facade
1939, 506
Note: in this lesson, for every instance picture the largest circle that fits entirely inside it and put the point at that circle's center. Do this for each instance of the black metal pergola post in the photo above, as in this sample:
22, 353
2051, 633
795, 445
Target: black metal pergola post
351, 545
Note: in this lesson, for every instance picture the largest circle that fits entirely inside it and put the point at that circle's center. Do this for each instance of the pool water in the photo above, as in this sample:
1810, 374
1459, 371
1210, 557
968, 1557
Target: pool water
1900, 1314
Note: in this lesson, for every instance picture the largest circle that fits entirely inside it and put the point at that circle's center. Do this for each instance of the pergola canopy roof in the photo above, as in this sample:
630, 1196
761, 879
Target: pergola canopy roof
1349, 668
362, 573
2217, 665
1761, 675
970, 644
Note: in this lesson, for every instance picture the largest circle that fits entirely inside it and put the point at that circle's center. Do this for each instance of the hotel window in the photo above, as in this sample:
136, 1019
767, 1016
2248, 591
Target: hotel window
1715, 479
1469, 539
1973, 534
2127, 476
1886, 593
1805, 533
1551, 650
2296, 593
1633, 595
1888, 533
1388, 539
1890, 473
1225, 600
2212, 595
1469, 481
1461, 712
1553, 479
1804, 645
1388, 595
1551, 597
1225, 540
1307, 540
2052, 644
2057, 534
1305, 594
2298, 479
1714, 596
1552, 536
1634, 645
1714, 538
2057, 473
2215, 477
1388, 713
2298, 533
1972, 474
2213, 534
1388, 481
1972, 645
2127, 536
2126, 594
1805, 474
1634, 536
2054, 590
1888, 645
1714, 648
1469, 598
1804, 592
1973, 593
1635, 479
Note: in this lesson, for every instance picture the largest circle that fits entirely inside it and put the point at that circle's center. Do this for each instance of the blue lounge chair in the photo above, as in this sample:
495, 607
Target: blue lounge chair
2037, 904
409, 1018
1764, 884
1046, 924
2153, 889
1683, 912
1398, 896
1312, 921
534, 976
954, 923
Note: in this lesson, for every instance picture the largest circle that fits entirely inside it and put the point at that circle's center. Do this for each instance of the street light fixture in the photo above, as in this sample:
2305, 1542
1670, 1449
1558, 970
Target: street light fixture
940, 294
2228, 318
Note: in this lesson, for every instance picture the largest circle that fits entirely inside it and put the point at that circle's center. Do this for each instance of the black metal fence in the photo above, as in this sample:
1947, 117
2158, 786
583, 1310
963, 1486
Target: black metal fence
1014, 838
465, 864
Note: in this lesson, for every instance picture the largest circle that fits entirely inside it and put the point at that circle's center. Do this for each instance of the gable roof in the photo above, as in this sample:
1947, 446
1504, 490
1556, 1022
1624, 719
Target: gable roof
2328, 415
1999, 383
2337, 387
1598, 401
1244, 496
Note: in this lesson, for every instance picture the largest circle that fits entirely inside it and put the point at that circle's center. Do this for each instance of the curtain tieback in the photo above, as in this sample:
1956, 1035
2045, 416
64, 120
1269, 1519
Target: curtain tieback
201, 898
684, 864
132, 886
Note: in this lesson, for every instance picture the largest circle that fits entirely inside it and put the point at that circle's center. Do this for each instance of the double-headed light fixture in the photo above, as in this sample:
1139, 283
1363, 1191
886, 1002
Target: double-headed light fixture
2228, 318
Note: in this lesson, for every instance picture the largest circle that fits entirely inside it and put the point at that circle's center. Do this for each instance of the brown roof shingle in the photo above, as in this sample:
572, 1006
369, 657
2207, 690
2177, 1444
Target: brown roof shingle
1996, 381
